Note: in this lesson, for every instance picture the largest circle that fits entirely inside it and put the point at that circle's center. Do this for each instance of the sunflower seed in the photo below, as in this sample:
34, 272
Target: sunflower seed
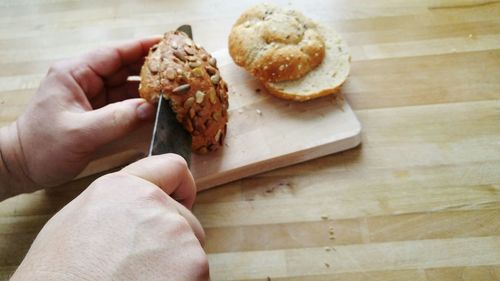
180, 55
153, 67
194, 64
170, 73
199, 96
213, 62
215, 78
192, 58
217, 135
188, 103
210, 70
189, 50
182, 89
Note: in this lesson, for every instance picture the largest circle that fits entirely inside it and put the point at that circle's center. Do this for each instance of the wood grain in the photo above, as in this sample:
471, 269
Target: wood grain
418, 200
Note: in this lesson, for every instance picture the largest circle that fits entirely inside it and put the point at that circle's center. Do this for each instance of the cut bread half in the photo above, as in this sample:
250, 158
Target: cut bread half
326, 79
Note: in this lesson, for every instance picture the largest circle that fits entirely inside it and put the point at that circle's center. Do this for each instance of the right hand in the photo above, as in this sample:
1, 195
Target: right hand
125, 226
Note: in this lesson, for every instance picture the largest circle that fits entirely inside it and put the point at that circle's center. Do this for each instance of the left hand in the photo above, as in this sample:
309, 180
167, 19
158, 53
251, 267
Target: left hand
80, 105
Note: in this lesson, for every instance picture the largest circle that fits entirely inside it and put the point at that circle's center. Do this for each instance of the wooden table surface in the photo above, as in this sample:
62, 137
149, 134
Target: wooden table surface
418, 200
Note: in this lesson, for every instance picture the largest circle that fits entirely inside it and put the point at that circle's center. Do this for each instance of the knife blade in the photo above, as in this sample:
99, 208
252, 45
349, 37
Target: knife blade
169, 136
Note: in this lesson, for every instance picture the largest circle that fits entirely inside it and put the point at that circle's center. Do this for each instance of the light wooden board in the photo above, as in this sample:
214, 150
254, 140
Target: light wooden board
264, 133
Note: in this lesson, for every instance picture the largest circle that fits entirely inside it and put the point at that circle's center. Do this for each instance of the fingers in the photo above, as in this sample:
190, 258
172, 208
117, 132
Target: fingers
115, 120
128, 90
107, 61
170, 173
191, 219
121, 75
108, 66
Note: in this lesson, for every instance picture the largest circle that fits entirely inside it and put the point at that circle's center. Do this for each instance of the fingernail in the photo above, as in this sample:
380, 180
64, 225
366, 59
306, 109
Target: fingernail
145, 111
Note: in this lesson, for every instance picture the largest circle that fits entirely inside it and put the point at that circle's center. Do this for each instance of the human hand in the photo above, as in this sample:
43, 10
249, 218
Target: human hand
124, 226
81, 104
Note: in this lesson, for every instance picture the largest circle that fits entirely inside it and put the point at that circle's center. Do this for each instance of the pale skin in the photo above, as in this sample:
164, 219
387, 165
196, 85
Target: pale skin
134, 224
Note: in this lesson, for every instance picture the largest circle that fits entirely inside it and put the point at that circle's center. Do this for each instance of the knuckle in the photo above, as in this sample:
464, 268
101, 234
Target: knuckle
179, 223
200, 262
106, 182
57, 67
178, 162
153, 193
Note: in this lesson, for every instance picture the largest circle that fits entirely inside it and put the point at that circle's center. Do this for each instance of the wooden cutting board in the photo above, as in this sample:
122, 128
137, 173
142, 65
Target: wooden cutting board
264, 133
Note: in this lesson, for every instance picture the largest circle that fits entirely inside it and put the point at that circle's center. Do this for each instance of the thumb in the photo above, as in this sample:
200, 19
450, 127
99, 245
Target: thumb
116, 120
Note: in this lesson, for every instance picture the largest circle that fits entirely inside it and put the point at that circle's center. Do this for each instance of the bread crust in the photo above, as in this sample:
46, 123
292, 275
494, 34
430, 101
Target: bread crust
275, 44
326, 79
188, 76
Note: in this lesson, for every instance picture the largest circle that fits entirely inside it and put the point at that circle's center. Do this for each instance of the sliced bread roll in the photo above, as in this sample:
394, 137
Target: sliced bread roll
325, 79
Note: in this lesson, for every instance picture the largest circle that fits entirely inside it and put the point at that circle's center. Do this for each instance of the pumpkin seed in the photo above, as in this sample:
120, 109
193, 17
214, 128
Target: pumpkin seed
216, 115
197, 72
212, 96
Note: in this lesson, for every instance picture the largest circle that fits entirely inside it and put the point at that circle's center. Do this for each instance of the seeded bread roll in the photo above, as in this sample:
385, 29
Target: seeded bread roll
187, 75
275, 44
324, 80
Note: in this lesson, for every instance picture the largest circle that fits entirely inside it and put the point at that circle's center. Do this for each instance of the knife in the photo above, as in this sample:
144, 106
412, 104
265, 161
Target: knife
169, 136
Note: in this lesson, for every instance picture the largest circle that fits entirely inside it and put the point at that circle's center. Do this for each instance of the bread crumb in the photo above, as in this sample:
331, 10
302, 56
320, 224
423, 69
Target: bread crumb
331, 237
258, 111
470, 36
328, 249
327, 264
240, 110
324, 217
